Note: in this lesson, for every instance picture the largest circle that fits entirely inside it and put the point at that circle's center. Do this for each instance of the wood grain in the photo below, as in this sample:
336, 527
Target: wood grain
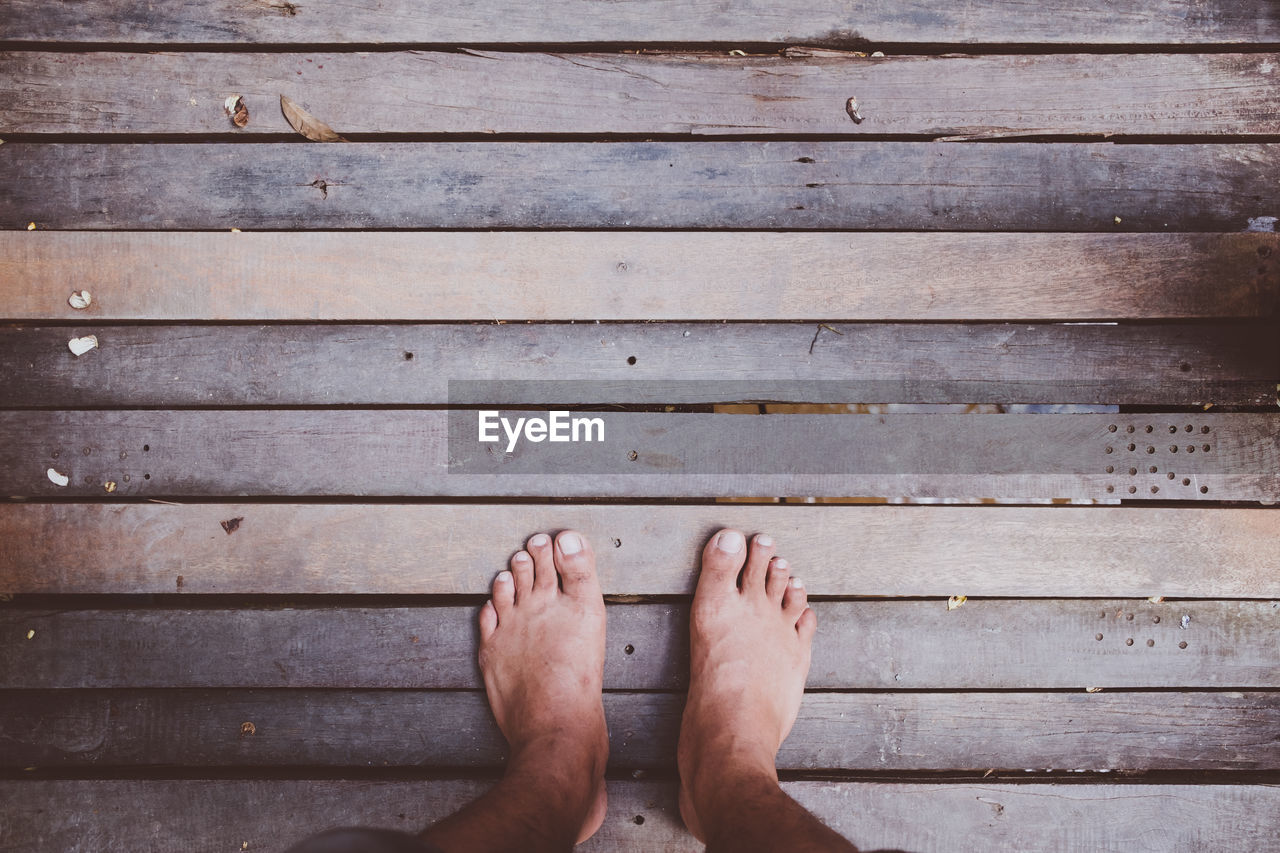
648, 22
348, 453
1006, 643
211, 816
898, 551
703, 94
851, 732
574, 365
636, 276
637, 185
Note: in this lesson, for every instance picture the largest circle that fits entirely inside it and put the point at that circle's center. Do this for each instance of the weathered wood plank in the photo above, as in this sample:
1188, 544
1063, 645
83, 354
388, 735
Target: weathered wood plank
699, 94
648, 22
641, 363
147, 453
798, 185
213, 816
1006, 643
636, 276
1135, 552
835, 731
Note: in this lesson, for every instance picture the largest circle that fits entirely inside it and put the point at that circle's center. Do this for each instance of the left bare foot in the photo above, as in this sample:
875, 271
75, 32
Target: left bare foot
542, 657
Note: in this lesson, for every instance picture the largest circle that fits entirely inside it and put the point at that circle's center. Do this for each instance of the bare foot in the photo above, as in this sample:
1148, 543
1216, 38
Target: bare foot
749, 655
542, 656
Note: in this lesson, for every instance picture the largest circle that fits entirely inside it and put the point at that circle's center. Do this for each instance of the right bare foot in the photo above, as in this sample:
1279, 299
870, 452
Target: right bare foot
749, 656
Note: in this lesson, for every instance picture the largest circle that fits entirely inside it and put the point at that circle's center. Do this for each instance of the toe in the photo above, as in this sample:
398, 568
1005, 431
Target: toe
504, 594
721, 561
794, 601
522, 571
488, 621
775, 584
576, 563
807, 624
544, 565
753, 576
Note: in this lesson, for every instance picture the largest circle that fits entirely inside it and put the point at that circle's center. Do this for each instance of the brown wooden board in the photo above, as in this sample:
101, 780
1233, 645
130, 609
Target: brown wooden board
337, 453
635, 276
1059, 551
835, 731
704, 94
649, 22
641, 363
985, 644
970, 817
637, 185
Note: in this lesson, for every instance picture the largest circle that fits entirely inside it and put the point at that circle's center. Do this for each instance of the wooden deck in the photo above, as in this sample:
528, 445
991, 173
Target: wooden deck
248, 614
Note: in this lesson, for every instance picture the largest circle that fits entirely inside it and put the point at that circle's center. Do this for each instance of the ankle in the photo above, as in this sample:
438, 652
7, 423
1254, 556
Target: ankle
724, 797
722, 773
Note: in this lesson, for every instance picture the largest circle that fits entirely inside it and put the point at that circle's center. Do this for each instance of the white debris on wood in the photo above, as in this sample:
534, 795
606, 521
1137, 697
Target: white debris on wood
80, 346
57, 478
1265, 224
1186, 620
80, 299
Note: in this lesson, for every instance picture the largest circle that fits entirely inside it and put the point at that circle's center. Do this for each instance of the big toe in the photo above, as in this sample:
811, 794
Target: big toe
722, 560
576, 563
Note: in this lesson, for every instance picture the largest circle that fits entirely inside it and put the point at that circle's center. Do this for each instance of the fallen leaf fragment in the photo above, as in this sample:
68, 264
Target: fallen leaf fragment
234, 106
80, 299
1118, 220
231, 525
1186, 620
58, 479
248, 729
879, 54
31, 634
307, 124
1155, 599
955, 601
1093, 690
110, 486
851, 107
80, 346
31, 226
737, 53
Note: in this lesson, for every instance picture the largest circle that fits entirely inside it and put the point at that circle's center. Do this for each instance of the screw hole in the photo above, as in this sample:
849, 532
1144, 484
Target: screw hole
1182, 645
146, 476
1133, 490
633, 456
146, 448
1172, 430
408, 356
1186, 481
1110, 489
638, 820
1155, 489
1205, 448
1109, 450
629, 649
1204, 490
1190, 427
617, 543
1170, 475
1111, 469
1129, 642
1133, 471
1097, 636
1151, 449
1173, 448
1111, 428
1151, 470
1150, 643
1133, 447
1191, 448
1129, 617
631, 359
1155, 620
1204, 429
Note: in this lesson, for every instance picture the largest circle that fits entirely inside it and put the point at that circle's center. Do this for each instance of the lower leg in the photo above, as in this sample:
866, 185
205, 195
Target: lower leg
751, 633
542, 658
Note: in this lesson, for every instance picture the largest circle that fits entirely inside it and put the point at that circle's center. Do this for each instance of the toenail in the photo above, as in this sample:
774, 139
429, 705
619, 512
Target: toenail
764, 539
539, 541
570, 543
780, 563
730, 541
504, 577
521, 557
796, 583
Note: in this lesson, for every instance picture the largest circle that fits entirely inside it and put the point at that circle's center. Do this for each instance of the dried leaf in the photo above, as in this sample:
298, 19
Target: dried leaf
57, 478
1156, 599
31, 226
307, 124
231, 525
955, 601
110, 486
234, 106
1093, 690
80, 299
31, 635
80, 346
737, 53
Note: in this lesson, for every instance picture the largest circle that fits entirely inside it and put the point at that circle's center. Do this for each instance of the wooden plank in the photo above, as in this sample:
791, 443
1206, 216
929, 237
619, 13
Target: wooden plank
647, 22
835, 731
1007, 643
703, 94
337, 453
78, 816
796, 185
639, 363
636, 276
1135, 552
